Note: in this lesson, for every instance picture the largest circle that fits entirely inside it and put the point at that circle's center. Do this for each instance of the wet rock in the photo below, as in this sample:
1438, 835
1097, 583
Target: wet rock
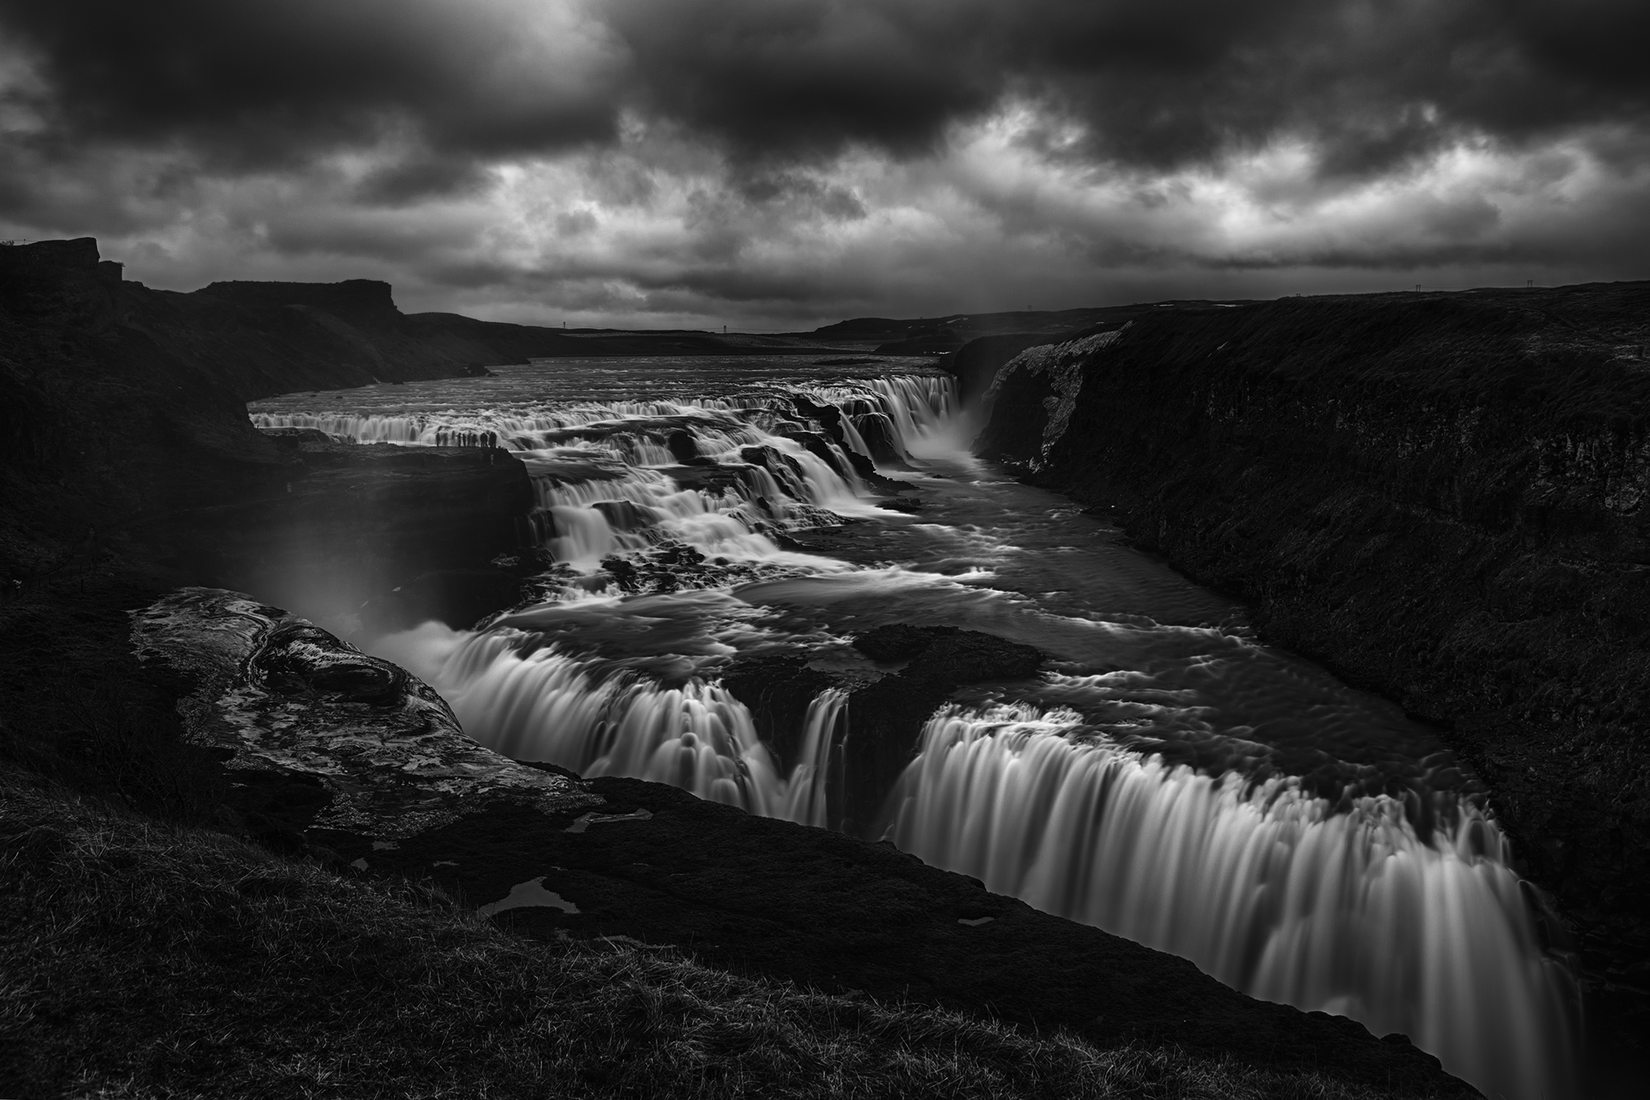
921, 667
818, 446
684, 447
311, 734
319, 737
708, 477
625, 515
895, 642
878, 433
885, 718
777, 689
949, 654
977, 362
782, 467
828, 415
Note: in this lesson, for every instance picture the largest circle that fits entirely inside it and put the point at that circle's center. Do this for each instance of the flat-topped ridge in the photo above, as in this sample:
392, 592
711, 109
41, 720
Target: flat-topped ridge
351, 298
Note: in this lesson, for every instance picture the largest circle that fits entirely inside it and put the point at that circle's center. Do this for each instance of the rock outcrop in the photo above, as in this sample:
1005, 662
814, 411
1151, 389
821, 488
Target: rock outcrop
1446, 498
367, 300
319, 739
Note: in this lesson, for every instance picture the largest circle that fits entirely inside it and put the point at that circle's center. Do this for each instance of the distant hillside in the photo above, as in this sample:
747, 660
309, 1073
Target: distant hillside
265, 338
940, 335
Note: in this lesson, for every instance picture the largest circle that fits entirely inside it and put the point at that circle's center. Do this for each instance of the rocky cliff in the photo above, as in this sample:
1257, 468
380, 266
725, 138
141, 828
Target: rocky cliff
1444, 497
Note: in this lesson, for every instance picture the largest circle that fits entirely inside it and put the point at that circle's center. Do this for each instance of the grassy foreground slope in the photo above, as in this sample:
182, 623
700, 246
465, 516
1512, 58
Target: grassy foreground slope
142, 959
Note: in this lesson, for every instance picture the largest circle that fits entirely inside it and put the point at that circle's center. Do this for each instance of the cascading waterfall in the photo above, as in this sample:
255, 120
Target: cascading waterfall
520, 430
911, 406
1264, 887
727, 521
1336, 905
545, 705
576, 520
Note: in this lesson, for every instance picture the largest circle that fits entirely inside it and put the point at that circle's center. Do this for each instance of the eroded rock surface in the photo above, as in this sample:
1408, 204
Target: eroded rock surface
373, 749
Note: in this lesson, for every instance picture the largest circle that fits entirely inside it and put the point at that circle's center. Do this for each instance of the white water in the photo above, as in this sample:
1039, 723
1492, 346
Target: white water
1264, 887
733, 520
1341, 906
545, 705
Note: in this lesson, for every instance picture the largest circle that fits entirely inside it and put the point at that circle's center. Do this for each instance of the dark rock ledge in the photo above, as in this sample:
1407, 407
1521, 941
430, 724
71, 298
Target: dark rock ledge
365, 764
366, 748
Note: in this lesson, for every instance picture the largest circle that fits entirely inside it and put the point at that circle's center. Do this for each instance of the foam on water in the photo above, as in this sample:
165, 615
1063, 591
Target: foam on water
546, 705
1272, 891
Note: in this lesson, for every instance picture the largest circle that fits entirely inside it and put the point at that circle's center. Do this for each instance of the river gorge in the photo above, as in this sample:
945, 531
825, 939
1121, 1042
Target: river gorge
727, 557
1304, 640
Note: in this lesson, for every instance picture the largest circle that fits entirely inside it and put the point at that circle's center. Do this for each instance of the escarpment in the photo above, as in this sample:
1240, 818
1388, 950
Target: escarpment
1445, 497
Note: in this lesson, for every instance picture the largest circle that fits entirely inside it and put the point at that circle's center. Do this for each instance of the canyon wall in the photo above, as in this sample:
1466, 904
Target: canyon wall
1445, 498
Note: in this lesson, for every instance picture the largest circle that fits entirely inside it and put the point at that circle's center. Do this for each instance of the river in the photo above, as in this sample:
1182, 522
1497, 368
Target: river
1165, 777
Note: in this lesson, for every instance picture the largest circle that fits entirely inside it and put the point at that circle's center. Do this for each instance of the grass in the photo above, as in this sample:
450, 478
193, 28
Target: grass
140, 959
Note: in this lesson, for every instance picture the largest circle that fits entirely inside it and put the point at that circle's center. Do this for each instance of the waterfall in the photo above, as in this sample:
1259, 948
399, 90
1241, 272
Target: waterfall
822, 729
546, 705
518, 429
582, 520
912, 407
1270, 890
1340, 903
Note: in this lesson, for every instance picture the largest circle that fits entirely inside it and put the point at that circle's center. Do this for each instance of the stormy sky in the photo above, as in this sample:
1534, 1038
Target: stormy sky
778, 164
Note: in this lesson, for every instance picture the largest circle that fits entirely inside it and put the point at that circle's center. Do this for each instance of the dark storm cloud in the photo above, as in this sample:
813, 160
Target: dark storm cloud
416, 178
1373, 84
796, 190
259, 82
1159, 83
795, 77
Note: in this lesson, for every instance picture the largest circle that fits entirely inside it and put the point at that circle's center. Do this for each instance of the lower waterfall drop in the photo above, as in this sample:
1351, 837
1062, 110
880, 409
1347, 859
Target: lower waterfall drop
1265, 887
